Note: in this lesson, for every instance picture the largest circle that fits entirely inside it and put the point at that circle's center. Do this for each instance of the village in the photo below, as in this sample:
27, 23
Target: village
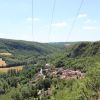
61, 73
52, 71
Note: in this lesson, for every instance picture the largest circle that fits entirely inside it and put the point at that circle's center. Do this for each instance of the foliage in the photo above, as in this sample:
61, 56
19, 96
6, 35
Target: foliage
25, 84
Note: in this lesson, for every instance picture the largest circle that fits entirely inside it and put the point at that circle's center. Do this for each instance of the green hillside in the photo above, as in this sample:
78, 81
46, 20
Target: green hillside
78, 56
86, 49
40, 78
24, 51
16, 46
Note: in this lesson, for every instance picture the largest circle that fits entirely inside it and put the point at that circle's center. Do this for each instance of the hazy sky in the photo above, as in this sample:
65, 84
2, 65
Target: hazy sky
16, 20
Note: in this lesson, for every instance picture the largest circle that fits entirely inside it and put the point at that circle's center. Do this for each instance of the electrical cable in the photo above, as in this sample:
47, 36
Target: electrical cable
32, 22
74, 21
52, 16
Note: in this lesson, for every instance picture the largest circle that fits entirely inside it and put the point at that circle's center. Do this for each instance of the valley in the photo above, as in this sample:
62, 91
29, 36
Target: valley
53, 71
49, 50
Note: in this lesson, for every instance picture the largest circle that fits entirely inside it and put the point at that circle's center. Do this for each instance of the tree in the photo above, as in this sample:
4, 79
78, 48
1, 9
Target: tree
13, 82
44, 84
60, 63
92, 84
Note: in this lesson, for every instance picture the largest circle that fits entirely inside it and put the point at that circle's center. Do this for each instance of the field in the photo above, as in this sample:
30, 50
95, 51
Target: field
16, 68
5, 54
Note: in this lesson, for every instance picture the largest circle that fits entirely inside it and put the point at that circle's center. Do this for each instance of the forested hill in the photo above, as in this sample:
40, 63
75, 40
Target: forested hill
24, 51
18, 46
62, 45
80, 56
26, 47
85, 49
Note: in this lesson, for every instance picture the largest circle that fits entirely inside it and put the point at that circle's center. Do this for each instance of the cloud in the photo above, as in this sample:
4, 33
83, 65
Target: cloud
29, 19
82, 15
91, 27
89, 21
34, 19
60, 24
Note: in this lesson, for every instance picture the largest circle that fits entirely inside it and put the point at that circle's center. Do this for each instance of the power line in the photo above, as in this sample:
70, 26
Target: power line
74, 21
52, 16
32, 22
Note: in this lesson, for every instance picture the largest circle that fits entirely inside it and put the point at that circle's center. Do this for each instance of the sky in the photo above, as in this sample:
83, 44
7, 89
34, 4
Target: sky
50, 24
